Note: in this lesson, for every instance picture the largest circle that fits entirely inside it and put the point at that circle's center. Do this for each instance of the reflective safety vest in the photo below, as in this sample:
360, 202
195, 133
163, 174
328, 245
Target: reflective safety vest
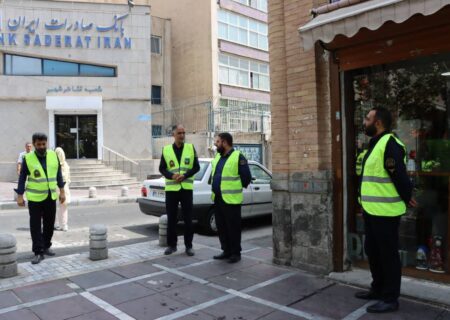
187, 163
379, 197
359, 162
231, 184
39, 183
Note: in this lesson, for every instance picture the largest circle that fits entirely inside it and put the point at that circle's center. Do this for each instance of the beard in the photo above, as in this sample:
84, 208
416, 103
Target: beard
370, 130
220, 150
41, 152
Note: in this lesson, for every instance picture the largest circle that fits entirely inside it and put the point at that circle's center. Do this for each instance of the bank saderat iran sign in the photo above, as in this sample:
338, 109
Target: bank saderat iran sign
63, 33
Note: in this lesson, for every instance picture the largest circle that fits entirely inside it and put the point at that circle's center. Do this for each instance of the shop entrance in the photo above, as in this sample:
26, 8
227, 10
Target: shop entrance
77, 135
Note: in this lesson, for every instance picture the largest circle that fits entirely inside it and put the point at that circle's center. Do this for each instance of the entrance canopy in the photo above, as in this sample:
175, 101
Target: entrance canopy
371, 14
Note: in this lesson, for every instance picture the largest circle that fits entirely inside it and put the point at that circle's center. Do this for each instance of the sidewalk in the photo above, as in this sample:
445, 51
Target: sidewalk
138, 282
80, 197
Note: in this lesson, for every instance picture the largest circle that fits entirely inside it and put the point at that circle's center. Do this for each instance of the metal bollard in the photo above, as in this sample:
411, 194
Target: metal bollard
163, 231
8, 263
92, 192
98, 244
124, 192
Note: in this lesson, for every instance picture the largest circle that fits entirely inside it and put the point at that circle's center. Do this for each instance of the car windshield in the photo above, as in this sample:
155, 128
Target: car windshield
203, 166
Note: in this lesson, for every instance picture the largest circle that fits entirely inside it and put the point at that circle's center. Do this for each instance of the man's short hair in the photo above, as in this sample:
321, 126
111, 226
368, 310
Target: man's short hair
175, 127
385, 116
227, 137
39, 136
27, 143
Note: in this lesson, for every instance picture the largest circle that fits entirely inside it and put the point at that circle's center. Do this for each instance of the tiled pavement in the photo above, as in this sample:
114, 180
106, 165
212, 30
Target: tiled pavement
152, 286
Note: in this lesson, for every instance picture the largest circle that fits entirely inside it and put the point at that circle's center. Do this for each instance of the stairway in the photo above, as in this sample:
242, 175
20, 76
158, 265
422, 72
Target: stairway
86, 173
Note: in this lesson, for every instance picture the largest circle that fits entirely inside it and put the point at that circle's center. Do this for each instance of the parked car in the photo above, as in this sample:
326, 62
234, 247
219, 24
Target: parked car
257, 197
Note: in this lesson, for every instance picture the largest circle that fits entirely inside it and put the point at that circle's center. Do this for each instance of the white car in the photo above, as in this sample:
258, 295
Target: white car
257, 197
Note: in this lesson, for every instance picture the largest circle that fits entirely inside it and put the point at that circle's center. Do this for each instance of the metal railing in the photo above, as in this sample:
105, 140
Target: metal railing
120, 162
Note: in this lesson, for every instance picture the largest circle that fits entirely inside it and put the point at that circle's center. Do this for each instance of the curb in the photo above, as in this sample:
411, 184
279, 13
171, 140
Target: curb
11, 205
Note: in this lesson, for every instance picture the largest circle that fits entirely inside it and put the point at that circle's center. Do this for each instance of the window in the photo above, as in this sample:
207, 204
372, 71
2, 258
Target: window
156, 94
203, 166
257, 4
28, 66
259, 176
243, 72
156, 130
156, 44
243, 30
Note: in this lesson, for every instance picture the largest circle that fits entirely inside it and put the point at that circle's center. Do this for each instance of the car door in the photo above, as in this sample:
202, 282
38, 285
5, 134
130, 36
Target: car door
261, 190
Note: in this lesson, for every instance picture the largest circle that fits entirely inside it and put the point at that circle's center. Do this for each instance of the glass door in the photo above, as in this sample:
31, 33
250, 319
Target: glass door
77, 135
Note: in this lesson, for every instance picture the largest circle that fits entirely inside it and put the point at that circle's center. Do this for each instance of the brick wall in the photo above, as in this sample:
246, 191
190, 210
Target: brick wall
301, 135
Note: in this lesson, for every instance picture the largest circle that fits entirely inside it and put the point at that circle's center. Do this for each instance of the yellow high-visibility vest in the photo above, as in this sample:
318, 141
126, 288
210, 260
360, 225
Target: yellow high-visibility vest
39, 183
187, 163
231, 184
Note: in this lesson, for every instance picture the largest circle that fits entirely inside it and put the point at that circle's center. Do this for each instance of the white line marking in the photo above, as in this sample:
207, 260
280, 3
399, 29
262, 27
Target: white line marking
276, 306
196, 264
181, 274
268, 282
113, 284
73, 286
37, 302
106, 306
250, 250
358, 313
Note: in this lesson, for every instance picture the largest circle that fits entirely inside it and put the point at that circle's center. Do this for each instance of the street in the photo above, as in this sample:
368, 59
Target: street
126, 225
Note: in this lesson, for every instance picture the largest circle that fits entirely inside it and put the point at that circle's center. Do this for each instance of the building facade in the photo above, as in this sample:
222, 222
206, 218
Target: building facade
220, 73
79, 72
328, 70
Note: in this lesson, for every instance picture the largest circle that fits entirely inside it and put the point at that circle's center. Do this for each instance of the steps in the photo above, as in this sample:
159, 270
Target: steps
86, 173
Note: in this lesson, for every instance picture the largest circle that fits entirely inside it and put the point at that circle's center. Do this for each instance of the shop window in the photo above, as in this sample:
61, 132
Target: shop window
417, 93
28, 66
156, 44
156, 95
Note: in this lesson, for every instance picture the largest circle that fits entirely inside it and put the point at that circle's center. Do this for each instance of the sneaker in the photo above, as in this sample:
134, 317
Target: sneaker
170, 250
49, 252
190, 252
65, 228
37, 258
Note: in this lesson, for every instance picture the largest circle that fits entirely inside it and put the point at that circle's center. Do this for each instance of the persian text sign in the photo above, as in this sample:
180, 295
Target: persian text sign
78, 34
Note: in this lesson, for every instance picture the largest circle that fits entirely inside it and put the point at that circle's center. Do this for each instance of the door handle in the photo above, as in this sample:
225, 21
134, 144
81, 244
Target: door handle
256, 188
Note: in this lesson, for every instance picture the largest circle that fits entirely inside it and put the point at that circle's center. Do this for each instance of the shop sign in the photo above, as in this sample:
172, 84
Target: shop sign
75, 89
25, 31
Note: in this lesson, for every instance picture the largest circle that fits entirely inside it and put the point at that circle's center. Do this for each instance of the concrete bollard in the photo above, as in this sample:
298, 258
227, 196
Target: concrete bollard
8, 263
163, 231
98, 243
92, 192
124, 192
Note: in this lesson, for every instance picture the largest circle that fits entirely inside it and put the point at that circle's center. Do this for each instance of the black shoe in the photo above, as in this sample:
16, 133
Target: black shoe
234, 258
190, 252
367, 295
383, 307
221, 256
37, 258
170, 250
49, 252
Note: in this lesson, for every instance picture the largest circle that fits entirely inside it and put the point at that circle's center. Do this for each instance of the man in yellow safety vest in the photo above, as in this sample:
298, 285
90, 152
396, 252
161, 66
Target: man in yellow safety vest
385, 191
179, 164
42, 173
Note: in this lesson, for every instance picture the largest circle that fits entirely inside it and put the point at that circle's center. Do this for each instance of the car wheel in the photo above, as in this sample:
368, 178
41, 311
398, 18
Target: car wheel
209, 223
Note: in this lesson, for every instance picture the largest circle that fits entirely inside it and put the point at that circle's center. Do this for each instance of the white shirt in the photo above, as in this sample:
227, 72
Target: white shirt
21, 156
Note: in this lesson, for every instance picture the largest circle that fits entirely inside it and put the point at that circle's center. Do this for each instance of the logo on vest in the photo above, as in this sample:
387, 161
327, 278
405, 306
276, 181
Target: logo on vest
187, 161
172, 164
37, 174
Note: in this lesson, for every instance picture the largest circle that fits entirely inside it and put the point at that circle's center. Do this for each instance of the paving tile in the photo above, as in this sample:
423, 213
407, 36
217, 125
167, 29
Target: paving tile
151, 307
444, 316
205, 253
122, 293
97, 278
174, 261
194, 293
335, 302
64, 309
135, 270
164, 282
218, 267
280, 315
292, 289
22, 314
8, 299
266, 271
199, 316
238, 308
262, 253
409, 310
263, 242
42, 290
96, 315
236, 280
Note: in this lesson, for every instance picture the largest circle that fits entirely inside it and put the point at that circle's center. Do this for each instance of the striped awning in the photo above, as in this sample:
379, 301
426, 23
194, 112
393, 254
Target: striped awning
371, 14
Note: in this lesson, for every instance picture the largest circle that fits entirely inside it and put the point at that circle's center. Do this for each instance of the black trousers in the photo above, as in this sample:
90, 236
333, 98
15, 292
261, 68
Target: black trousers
42, 222
381, 246
173, 198
228, 221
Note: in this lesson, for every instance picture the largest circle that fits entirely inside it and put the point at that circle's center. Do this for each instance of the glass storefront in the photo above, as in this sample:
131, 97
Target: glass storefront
417, 92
